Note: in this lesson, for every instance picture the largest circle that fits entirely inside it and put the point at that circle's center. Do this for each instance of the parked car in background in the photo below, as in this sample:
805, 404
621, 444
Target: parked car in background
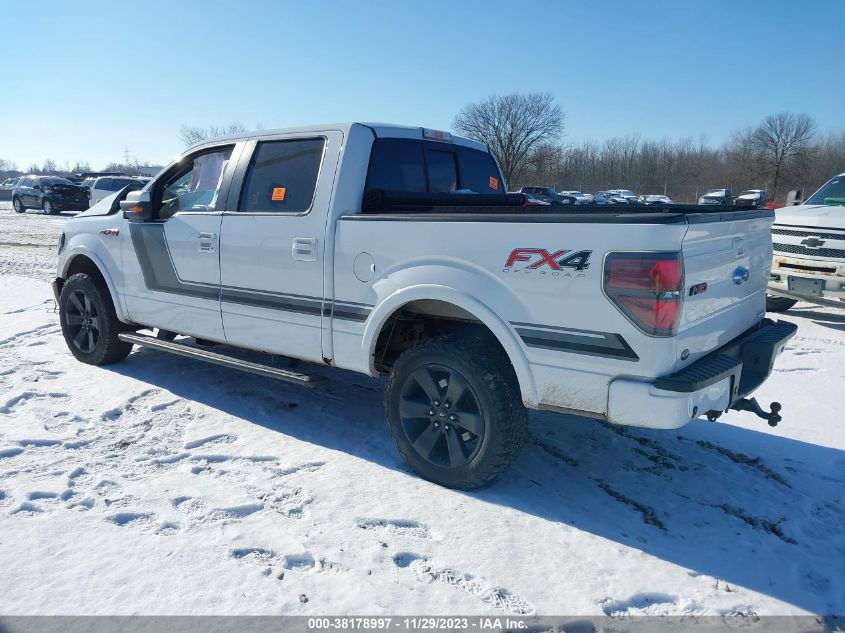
629, 195
716, 196
105, 186
531, 201
808, 242
752, 198
655, 199
49, 193
548, 194
6, 188
580, 198
608, 197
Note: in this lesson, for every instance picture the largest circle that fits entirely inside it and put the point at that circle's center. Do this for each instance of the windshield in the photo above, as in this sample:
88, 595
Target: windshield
833, 193
49, 182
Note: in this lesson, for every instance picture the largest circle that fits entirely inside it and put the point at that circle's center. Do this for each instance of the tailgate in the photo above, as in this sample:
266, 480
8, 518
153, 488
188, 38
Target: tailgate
726, 270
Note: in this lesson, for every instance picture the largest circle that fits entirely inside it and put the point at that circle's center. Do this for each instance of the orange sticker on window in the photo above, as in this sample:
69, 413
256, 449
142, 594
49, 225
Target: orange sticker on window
279, 194
494, 182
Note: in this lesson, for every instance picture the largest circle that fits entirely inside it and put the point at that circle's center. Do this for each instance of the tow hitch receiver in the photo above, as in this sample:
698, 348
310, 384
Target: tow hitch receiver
751, 404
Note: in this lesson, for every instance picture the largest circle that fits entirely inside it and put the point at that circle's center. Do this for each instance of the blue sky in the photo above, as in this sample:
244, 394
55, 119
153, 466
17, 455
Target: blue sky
84, 79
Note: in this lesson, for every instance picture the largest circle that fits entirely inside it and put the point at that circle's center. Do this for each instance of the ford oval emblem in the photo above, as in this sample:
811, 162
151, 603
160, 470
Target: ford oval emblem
740, 275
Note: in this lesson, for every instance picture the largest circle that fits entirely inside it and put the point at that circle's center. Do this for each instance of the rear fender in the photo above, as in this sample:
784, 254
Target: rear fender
506, 336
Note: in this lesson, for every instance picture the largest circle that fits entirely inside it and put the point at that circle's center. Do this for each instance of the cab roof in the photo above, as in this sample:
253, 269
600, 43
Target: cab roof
379, 130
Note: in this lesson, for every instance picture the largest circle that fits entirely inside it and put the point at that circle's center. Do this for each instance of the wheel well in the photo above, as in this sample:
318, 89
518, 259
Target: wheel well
83, 264
419, 320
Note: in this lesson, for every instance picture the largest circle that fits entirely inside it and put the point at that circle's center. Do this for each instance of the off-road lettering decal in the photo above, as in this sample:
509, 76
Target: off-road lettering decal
541, 259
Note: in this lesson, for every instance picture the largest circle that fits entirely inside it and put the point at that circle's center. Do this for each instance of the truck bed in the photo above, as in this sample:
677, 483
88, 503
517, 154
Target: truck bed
509, 208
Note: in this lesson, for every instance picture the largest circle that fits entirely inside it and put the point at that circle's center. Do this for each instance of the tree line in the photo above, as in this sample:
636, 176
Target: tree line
784, 151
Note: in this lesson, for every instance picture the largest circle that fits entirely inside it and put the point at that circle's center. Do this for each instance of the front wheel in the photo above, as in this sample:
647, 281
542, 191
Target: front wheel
19, 208
89, 323
779, 304
454, 410
48, 207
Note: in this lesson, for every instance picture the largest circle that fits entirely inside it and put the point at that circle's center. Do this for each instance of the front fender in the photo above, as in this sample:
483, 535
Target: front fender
81, 246
503, 332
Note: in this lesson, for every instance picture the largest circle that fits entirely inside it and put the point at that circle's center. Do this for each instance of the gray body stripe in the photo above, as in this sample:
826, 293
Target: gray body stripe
605, 344
160, 275
273, 302
157, 267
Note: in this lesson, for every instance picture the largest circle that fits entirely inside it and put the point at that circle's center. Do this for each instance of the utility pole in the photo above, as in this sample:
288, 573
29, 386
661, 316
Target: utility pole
126, 155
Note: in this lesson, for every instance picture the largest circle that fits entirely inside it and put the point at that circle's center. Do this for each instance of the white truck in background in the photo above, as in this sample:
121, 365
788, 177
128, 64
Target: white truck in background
809, 250
396, 250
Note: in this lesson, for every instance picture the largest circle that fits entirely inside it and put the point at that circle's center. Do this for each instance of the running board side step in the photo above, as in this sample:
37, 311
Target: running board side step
181, 349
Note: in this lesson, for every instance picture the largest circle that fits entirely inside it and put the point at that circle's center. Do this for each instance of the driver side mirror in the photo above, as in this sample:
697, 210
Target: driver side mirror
137, 206
36, 186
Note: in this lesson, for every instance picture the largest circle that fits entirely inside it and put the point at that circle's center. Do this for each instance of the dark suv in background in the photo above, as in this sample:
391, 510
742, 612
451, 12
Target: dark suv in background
548, 194
50, 193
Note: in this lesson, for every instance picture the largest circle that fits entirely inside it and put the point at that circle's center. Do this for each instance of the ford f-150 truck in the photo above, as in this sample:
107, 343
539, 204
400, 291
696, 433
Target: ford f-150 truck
396, 250
809, 250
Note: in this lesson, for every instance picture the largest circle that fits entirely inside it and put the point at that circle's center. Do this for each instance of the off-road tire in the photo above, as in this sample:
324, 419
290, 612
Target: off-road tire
108, 348
492, 383
779, 304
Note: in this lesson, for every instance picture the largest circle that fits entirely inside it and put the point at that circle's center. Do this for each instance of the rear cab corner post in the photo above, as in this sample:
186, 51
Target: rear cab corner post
502, 331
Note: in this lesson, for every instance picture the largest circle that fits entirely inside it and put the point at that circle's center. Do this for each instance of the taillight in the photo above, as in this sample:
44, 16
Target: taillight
646, 287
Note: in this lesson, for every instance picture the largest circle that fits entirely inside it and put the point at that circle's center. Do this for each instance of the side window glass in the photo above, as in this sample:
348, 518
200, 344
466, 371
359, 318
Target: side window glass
195, 186
442, 172
282, 176
104, 184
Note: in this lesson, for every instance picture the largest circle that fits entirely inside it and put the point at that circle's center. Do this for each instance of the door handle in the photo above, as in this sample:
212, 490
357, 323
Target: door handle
206, 242
304, 249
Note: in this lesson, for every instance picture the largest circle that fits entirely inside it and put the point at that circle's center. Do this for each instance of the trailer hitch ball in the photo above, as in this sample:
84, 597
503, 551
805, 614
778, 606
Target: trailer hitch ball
751, 404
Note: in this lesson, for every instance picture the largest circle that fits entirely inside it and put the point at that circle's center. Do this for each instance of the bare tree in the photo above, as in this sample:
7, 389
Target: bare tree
782, 139
192, 135
512, 126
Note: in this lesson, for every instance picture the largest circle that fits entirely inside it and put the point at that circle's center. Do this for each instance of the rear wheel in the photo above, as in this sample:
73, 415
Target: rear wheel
19, 208
779, 304
89, 323
454, 410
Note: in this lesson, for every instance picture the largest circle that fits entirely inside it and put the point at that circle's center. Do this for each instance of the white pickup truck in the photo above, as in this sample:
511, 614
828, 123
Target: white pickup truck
396, 250
809, 250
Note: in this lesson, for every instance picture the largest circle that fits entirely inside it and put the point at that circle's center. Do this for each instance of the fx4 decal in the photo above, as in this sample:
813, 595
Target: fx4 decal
562, 262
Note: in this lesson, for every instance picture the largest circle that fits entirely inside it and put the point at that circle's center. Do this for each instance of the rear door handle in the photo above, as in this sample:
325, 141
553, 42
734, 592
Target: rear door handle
304, 249
206, 244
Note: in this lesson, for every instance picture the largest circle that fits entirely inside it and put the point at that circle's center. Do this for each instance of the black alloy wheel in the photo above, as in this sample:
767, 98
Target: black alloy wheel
441, 416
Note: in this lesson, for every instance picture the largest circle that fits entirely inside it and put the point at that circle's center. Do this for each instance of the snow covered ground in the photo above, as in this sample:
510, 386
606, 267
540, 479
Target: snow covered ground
164, 486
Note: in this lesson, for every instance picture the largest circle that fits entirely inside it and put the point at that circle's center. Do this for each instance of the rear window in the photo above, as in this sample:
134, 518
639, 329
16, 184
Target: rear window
119, 183
413, 166
282, 176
